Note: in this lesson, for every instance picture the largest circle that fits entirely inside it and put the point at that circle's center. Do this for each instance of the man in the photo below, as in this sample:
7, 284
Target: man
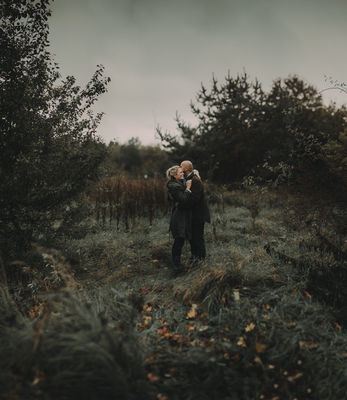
200, 212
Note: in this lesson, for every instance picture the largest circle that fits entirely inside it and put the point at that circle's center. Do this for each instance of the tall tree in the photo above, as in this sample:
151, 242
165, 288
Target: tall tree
48, 143
240, 128
227, 139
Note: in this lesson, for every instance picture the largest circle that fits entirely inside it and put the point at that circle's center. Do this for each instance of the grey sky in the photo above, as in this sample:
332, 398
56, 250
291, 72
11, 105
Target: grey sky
157, 52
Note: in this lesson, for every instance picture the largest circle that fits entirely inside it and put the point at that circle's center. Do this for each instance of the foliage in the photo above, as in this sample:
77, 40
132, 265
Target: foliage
278, 135
49, 148
304, 128
335, 156
135, 160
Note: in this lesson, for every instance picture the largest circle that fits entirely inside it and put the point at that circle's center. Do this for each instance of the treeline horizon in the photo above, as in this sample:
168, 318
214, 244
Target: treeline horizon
245, 134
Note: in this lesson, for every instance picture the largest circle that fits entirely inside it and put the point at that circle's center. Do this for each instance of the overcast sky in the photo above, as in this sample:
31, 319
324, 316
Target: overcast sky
157, 52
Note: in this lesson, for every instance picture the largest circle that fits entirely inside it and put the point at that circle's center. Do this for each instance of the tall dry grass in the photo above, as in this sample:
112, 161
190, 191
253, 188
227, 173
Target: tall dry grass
124, 200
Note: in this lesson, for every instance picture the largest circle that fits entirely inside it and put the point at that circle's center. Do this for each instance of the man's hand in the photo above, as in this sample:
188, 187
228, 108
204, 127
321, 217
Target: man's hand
196, 173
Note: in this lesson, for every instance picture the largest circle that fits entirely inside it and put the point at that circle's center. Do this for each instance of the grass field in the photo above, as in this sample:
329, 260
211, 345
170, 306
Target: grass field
263, 317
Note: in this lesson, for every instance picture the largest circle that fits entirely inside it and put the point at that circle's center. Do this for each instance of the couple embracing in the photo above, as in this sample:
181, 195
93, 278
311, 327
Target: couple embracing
189, 214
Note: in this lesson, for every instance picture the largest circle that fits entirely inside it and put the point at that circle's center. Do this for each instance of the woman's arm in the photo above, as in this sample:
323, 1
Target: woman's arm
179, 195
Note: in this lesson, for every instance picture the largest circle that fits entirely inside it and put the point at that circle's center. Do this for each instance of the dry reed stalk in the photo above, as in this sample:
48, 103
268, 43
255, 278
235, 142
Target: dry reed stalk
126, 200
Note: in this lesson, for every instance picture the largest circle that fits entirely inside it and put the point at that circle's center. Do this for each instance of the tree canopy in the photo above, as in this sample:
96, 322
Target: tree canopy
242, 128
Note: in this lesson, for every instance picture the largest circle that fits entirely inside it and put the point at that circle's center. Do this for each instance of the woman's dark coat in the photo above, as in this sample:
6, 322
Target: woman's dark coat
181, 217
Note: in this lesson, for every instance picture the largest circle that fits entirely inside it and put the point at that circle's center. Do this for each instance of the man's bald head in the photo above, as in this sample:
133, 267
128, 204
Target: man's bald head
187, 167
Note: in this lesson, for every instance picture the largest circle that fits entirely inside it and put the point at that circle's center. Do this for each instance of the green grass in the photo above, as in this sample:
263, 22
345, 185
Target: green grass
261, 318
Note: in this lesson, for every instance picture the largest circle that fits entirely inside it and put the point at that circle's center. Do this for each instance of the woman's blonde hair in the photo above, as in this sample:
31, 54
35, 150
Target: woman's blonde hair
172, 171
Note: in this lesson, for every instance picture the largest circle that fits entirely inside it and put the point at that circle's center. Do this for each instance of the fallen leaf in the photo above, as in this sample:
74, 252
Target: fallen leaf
152, 378
147, 307
165, 332
192, 313
191, 327
203, 328
39, 377
178, 338
224, 300
337, 325
162, 397
260, 347
307, 294
250, 327
304, 343
241, 342
154, 261
147, 319
34, 312
295, 377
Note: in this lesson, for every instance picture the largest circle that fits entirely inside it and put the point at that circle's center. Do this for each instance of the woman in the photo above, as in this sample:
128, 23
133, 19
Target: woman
181, 217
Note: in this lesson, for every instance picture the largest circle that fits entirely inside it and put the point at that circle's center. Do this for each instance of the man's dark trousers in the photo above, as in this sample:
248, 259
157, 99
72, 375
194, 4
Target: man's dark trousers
197, 242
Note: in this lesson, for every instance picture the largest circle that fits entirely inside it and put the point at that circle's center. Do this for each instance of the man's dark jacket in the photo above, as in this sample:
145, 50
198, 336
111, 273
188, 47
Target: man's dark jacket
197, 200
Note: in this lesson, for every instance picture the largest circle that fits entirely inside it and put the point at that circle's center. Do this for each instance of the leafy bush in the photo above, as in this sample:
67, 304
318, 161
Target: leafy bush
49, 147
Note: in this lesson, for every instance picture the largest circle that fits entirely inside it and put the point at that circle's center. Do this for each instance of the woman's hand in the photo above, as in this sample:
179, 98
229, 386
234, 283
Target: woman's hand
189, 184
